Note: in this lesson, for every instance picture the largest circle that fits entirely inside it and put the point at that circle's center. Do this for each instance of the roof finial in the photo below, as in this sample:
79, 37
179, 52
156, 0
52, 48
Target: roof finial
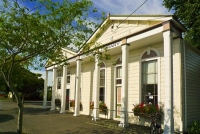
108, 15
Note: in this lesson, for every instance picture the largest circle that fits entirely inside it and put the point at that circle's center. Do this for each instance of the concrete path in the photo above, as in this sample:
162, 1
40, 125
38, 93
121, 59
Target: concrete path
43, 121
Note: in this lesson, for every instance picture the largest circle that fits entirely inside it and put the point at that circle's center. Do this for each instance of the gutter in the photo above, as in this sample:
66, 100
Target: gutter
185, 96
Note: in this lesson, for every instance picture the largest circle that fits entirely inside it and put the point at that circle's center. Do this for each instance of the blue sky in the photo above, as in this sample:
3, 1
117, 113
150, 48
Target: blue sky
122, 7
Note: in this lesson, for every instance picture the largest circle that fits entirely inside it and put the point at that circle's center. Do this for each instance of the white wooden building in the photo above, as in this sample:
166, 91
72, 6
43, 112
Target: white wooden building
150, 56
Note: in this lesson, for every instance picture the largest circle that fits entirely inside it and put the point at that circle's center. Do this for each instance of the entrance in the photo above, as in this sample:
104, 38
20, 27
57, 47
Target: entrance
67, 100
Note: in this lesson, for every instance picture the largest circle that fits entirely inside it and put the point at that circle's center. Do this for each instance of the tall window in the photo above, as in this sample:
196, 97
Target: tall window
68, 76
59, 83
118, 85
59, 80
149, 78
102, 83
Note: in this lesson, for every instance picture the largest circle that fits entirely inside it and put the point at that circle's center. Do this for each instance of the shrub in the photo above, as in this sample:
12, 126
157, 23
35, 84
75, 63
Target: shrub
195, 128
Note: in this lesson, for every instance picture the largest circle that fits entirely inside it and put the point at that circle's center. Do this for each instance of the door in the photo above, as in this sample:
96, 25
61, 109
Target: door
118, 105
67, 99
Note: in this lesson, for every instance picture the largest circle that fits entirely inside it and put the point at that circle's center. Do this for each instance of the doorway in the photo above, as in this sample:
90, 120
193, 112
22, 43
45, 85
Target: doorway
67, 100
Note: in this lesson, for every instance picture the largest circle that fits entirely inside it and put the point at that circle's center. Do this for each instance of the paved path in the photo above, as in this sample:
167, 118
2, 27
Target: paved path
42, 121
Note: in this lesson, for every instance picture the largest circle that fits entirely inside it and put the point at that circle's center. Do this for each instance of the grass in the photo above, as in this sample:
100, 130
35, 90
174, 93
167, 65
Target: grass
3, 99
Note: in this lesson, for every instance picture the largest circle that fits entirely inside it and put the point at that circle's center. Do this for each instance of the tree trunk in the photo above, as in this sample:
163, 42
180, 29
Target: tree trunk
20, 113
9, 83
20, 117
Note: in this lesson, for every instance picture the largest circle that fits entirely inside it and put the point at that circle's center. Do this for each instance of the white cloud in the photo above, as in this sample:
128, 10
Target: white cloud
128, 6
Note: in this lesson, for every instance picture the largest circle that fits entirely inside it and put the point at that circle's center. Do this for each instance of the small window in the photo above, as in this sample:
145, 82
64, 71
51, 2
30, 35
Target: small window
119, 75
68, 77
59, 83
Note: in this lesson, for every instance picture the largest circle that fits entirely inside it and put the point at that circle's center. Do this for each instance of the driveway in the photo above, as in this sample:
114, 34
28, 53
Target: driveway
43, 121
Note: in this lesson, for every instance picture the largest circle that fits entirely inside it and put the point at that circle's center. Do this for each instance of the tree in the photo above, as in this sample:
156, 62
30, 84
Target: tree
187, 12
32, 31
24, 81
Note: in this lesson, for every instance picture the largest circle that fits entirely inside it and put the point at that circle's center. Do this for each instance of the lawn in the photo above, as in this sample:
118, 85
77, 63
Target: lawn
2, 98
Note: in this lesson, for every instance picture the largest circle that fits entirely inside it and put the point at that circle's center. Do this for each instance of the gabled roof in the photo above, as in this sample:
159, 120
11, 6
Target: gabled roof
122, 18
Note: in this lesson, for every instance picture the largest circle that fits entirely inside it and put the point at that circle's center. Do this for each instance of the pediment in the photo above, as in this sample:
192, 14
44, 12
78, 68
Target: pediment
118, 26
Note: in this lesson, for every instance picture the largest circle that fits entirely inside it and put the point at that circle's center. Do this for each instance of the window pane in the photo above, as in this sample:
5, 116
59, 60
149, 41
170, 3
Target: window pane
68, 72
59, 83
150, 93
119, 72
119, 81
144, 78
150, 78
151, 67
68, 79
101, 94
102, 82
144, 67
118, 94
102, 73
150, 89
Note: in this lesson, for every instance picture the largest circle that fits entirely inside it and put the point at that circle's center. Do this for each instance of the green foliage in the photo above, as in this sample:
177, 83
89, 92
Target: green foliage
32, 31
38, 33
195, 128
147, 108
102, 105
188, 12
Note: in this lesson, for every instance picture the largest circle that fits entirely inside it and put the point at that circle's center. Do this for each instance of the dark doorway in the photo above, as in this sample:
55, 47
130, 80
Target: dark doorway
67, 99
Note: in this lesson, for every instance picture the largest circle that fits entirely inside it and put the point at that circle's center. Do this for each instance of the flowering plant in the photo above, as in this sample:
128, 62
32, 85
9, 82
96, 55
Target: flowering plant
92, 105
146, 108
102, 105
72, 104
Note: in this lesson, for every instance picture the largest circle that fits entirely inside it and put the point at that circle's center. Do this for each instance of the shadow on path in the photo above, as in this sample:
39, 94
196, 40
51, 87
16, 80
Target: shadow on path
8, 133
6, 117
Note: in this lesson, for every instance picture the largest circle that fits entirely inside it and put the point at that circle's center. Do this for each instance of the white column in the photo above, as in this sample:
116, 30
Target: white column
168, 60
53, 89
64, 81
78, 83
96, 88
124, 92
45, 91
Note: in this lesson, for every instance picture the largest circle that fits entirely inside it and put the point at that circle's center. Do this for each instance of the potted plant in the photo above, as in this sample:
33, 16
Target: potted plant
146, 110
102, 106
92, 105
72, 104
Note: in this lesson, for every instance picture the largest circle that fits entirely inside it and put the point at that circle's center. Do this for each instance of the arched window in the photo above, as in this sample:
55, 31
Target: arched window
102, 83
149, 76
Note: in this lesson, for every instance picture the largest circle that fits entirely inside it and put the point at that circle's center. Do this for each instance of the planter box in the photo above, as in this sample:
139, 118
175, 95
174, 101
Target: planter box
143, 115
71, 109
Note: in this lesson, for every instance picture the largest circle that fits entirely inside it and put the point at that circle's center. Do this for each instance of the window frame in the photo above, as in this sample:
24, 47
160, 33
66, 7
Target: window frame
116, 104
58, 82
68, 75
102, 68
158, 72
